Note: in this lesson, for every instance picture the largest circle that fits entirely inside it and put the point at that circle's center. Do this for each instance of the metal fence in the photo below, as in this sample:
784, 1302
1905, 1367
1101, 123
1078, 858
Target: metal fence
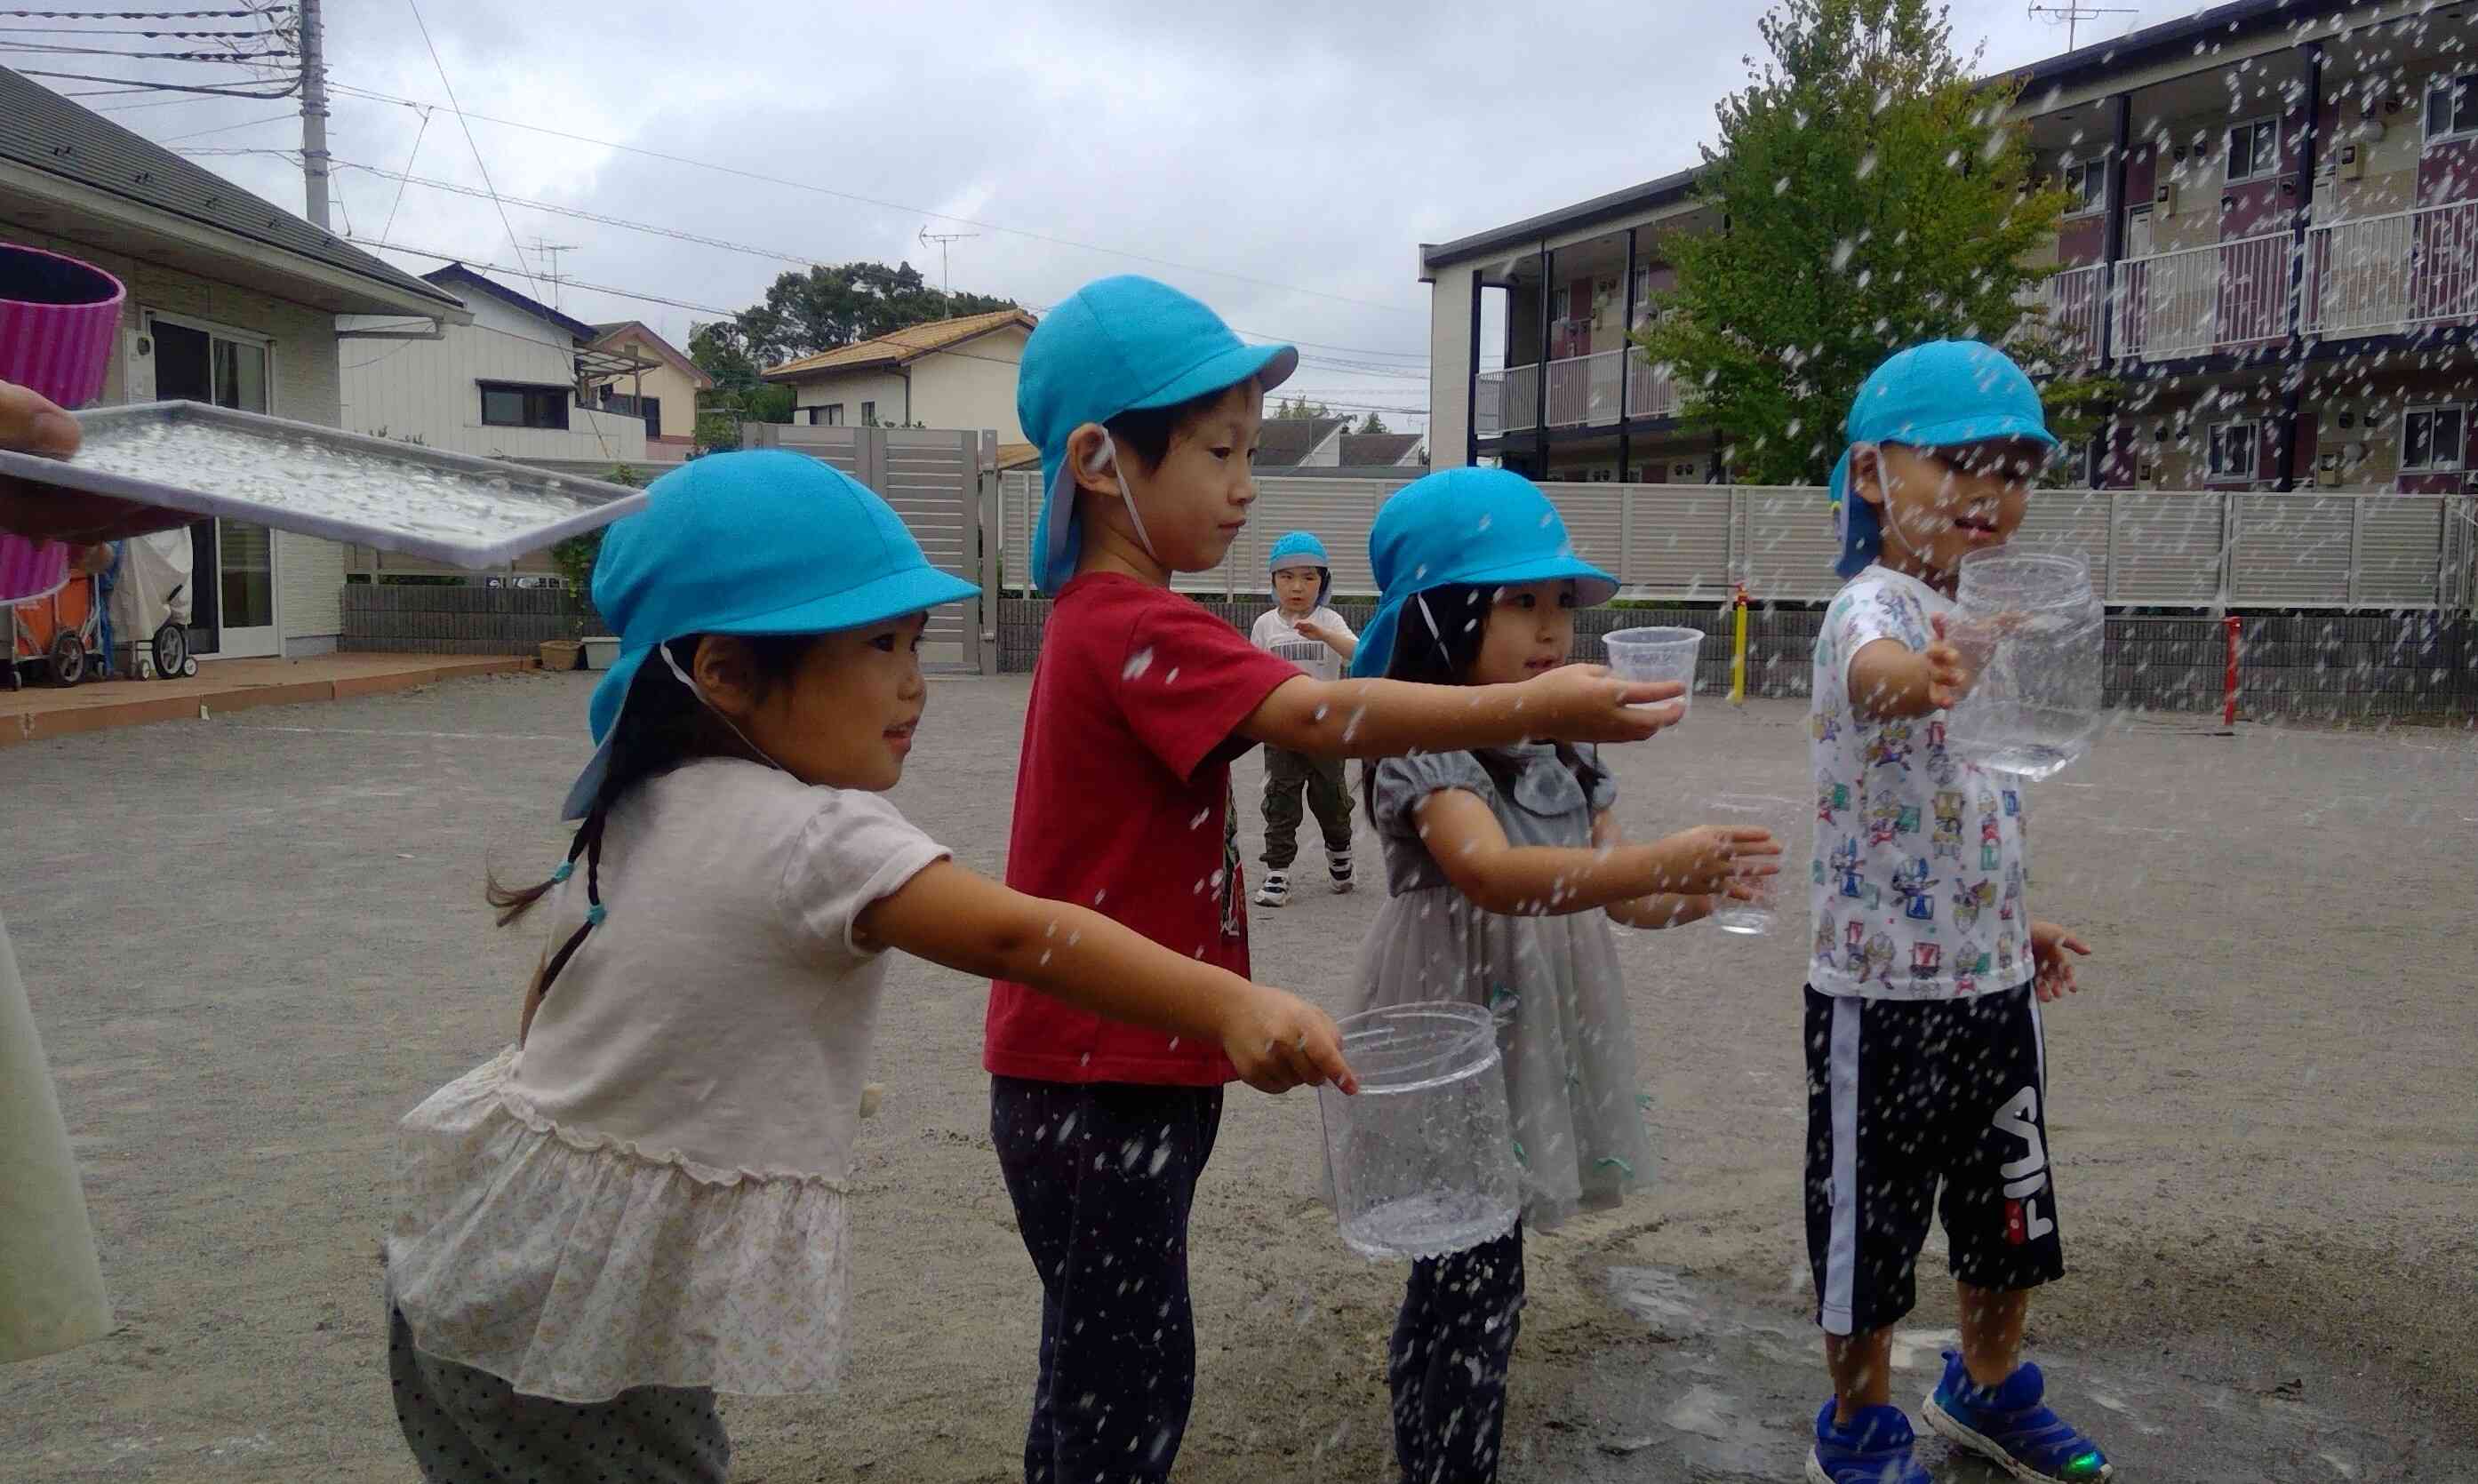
1695, 543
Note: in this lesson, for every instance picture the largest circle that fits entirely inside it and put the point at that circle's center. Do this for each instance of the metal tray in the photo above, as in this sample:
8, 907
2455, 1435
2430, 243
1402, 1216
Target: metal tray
296, 476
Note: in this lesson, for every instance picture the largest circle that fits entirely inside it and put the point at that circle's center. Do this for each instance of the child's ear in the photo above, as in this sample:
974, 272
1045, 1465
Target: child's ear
727, 674
1867, 474
1089, 457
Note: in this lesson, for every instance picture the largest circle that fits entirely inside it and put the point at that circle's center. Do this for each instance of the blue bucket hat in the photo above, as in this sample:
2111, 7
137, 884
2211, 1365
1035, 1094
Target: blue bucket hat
1301, 548
1466, 525
1117, 346
767, 542
1941, 395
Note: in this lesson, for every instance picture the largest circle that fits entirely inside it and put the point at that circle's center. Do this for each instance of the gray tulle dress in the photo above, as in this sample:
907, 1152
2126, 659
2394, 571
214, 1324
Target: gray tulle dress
1553, 983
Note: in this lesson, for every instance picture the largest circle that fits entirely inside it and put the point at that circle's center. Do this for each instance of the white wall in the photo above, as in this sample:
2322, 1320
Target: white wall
971, 387
1450, 360
431, 388
851, 388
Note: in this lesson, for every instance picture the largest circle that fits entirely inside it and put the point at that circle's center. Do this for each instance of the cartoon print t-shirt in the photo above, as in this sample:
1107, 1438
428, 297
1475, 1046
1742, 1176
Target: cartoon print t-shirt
1918, 873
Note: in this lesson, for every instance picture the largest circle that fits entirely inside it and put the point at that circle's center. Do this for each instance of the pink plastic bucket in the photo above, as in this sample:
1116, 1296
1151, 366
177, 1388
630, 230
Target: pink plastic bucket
59, 320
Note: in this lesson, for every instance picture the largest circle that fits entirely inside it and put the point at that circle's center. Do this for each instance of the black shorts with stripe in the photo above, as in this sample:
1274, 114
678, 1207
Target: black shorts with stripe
1903, 1096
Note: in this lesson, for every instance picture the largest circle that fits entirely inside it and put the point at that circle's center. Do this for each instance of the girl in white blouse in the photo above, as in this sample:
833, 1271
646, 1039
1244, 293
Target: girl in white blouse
644, 1202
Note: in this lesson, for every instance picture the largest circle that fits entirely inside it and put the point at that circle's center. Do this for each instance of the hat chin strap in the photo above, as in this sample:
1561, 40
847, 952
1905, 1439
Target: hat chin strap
1108, 453
699, 690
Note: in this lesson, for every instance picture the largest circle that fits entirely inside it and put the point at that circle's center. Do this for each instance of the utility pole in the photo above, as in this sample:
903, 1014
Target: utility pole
314, 111
945, 282
2073, 16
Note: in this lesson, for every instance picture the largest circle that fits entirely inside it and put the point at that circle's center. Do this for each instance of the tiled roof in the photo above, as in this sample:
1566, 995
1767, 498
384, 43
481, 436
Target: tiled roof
904, 345
1283, 441
1367, 449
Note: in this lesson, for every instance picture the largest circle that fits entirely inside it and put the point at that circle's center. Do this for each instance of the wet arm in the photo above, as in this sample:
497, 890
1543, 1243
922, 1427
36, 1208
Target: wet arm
1661, 909
1511, 880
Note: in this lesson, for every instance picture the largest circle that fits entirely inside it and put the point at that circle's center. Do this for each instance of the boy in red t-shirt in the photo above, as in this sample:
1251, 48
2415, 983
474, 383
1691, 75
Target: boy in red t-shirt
1146, 407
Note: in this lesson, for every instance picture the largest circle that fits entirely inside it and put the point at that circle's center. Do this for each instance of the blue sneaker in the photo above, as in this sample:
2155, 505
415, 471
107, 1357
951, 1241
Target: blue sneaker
1874, 1448
2012, 1427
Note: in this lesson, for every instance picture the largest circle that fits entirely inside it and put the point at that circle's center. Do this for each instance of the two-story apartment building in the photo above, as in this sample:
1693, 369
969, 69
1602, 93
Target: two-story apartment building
2274, 248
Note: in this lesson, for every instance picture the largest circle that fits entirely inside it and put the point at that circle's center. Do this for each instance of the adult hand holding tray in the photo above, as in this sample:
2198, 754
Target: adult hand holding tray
203, 460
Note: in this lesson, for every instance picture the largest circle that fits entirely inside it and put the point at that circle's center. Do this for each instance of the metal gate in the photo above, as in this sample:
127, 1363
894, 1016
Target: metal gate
944, 484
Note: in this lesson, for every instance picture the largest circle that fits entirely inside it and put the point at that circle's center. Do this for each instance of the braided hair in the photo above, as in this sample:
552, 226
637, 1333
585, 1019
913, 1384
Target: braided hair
1442, 655
662, 727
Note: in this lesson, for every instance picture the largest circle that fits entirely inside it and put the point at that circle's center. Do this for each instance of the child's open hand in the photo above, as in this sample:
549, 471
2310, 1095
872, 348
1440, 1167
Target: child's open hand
1960, 652
1586, 703
1713, 859
2055, 977
1310, 628
1280, 1041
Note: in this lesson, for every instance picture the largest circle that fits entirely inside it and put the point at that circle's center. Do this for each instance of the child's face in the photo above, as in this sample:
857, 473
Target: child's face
1531, 631
1195, 502
1939, 505
1295, 588
845, 717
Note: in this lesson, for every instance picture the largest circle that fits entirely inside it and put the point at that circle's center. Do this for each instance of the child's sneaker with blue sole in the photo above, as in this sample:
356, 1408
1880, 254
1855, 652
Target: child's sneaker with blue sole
1874, 1448
2011, 1426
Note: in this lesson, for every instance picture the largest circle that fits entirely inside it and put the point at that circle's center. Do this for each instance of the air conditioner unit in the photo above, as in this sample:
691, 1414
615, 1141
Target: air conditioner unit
2164, 199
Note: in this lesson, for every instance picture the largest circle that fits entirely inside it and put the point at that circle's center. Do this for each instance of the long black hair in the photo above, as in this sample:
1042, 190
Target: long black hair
662, 726
1438, 638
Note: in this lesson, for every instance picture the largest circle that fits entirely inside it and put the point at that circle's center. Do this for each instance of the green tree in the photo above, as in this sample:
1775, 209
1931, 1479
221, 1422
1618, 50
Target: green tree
1374, 424
806, 314
1301, 409
1872, 196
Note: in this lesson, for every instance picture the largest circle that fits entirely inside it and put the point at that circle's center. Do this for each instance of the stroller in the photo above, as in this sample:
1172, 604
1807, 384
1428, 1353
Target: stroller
64, 636
149, 606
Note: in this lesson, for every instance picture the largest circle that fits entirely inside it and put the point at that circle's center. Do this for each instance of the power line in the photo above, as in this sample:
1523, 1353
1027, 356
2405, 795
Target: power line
213, 58
410, 157
495, 268
123, 31
462, 122
220, 91
200, 134
893, 206
249, 14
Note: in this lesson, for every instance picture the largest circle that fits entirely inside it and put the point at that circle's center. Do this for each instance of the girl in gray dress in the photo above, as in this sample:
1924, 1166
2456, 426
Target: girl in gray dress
1503, 871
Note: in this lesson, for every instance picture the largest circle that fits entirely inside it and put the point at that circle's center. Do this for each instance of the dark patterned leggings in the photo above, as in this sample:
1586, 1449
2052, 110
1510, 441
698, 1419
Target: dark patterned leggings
1447, 1365
468, 1426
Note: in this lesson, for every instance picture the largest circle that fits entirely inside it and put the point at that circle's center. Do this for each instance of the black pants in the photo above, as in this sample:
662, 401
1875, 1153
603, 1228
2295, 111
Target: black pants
1286, 775
1447, 1367
1102, 1176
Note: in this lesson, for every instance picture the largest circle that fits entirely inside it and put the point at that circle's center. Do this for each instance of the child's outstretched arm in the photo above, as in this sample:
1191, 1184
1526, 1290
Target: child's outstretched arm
1662, 909
1341, 643
1890, 681
952, 915
1471, 847
1387, 719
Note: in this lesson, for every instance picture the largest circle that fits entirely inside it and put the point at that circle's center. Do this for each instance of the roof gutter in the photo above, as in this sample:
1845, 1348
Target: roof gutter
380, 297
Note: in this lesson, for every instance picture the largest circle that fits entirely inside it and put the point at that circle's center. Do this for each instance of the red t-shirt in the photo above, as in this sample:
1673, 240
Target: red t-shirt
1120, 804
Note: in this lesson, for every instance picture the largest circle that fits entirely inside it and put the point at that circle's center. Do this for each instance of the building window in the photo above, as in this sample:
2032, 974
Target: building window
2452, 106
2433, 437
506, 406
2235, 449
2086, 183
869, 415
830, 415
2254, 150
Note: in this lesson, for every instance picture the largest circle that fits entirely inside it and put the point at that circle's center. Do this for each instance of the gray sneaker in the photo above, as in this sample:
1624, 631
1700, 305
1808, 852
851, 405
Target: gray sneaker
1275, 891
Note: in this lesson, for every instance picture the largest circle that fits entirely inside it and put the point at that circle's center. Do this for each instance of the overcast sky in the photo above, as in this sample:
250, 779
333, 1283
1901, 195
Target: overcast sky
1279, 159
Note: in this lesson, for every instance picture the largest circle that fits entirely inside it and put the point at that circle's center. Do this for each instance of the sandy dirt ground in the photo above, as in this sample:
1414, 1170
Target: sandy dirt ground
255, 941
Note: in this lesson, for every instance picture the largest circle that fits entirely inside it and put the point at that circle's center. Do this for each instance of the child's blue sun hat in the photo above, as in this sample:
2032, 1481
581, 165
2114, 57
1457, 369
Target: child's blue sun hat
766, 541
1466, 525
1301, 548
1940, 394
1117, 346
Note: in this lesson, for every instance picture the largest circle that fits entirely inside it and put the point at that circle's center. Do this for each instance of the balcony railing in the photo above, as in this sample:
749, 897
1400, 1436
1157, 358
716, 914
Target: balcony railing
2074, 299
2385, 275
2203, 299
1584, 392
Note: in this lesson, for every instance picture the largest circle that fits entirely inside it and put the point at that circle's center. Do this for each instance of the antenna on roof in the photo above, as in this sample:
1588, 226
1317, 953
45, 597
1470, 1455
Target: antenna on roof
2071, 16
945, 284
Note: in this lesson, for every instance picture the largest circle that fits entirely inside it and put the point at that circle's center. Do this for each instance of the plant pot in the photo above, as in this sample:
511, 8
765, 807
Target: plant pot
602, 652
562, 654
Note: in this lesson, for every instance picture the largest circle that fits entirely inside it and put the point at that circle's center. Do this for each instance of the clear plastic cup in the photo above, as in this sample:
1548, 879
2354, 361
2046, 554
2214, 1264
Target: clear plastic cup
1421, 1160
1655, 654
1761, 811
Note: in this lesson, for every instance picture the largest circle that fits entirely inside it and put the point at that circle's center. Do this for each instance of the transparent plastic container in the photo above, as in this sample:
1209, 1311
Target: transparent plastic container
1421, 1160
1655, 654
2037, 629
1764, 811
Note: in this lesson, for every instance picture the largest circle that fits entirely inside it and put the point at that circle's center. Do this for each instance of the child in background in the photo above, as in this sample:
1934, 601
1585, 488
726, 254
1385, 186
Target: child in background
1926, 1059
644, 1200
1146, 407
1504, 869
1313, 637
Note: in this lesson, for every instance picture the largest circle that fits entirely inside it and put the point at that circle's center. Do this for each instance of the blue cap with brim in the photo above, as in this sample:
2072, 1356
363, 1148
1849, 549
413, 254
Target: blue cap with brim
1479, 526
1298, 549
1941, 395
763, 543
1117, 346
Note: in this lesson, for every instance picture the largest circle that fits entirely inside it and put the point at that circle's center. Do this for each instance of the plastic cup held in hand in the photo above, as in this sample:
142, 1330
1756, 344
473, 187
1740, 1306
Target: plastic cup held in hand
1421, 1160
59, 320
1654, 655
2033, 627
1753, 811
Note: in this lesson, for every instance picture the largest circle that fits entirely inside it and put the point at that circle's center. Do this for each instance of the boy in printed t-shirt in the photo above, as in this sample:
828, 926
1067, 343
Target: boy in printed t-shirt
1146, 407
1926, 1060
1302, 629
